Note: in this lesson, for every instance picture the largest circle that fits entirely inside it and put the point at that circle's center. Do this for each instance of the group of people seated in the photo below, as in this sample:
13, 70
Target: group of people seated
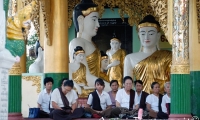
62, 102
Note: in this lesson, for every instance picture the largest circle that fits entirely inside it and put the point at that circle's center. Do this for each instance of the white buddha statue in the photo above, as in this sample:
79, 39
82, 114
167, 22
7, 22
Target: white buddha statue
77, 72
85, 18
150, 63
116, 57
38, 65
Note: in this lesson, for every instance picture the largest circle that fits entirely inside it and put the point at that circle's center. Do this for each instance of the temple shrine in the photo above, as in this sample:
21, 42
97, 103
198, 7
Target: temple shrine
85, 40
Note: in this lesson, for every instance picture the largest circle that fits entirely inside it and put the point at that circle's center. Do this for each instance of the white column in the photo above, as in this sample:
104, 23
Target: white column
6, 62
3, 93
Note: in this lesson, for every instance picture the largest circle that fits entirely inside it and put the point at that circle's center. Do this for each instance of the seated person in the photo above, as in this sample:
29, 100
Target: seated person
64, 102
99, 100
114, 86
165, 103
140, 95
154, 100
125, 98
44, 98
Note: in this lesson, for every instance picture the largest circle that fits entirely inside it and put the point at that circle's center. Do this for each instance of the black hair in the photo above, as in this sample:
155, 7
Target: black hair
150, 19
113, 81
138, 81
63, 80
153, 84
48, 79
84, 5
78, 48
126, 78
100, 81
69, 83
103, 54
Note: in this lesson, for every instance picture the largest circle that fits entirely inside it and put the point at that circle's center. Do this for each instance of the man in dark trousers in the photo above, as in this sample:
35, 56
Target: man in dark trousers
99, 102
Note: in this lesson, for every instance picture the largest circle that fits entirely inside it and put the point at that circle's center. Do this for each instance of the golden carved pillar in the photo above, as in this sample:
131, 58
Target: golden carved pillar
23, 57
56, 55
180, 70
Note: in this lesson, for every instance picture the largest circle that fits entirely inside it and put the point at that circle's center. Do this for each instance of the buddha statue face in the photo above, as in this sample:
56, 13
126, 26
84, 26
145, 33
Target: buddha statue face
104, 63
79, 57
89, 24
115, 45
149, 36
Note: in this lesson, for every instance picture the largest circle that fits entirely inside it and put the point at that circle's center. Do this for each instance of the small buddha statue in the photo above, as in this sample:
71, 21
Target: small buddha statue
38, 65
77, 72
116, 57
85, 18
104, 64
150, 64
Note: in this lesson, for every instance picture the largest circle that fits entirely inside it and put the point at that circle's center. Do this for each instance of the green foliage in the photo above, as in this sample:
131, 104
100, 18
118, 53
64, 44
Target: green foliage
29, 61
31, 42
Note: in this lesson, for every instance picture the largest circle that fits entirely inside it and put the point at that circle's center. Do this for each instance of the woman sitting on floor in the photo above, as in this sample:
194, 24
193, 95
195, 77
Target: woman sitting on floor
114, 86
64, 102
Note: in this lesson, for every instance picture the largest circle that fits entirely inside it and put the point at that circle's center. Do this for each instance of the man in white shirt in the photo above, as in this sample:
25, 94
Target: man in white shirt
165, 105
99, 101
129, 99
44, 98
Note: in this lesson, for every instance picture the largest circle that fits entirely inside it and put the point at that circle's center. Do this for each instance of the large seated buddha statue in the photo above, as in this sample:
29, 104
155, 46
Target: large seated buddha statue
116, 57
85, 18
150, 63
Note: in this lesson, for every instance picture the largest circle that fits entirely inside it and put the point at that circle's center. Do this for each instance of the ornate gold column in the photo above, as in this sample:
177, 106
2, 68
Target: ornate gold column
23, 57
180, 70
194, 47
56, 53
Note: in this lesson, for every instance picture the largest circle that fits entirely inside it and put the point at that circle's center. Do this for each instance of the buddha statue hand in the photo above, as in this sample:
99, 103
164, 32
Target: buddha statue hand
81, 84
17, 59
78, 88
114, 63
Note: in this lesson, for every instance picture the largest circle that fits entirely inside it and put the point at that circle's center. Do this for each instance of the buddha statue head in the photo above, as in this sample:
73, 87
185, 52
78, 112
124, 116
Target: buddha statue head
149, 33
104, 61
115, 43
79, 54
85, 17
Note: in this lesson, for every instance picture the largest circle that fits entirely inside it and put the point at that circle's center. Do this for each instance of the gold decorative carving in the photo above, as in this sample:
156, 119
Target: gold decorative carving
14, 7
15, 70
71, 5
35, 14
198, 18
36, 81
46, 16
180, 69
180, 45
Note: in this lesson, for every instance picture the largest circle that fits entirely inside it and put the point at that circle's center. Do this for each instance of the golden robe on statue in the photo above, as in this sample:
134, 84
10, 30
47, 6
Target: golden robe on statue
80, 75
104, 76
93, 61
155, 68
116, 72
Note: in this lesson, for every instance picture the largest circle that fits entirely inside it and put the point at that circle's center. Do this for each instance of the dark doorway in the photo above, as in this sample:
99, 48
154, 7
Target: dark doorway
122, 30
